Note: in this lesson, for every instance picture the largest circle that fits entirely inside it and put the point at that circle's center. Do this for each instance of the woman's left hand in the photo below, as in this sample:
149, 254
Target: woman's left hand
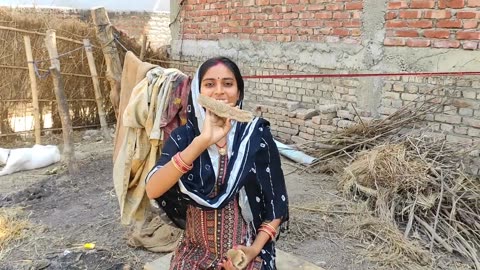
250, 252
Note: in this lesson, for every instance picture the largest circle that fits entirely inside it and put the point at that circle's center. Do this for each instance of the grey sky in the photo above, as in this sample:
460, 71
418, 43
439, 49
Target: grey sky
113, 5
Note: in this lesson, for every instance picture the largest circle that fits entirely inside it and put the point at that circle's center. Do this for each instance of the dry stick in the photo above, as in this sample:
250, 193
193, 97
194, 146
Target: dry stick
104, 31
144, 47
410, 216
45, 100
67, 130
96, 88
33, 85
45, 70
361, 121
435, 236
468, 247
37, 33
438, 210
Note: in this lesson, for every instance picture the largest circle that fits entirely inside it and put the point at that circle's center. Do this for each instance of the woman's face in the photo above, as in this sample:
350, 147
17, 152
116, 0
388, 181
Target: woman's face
220, 83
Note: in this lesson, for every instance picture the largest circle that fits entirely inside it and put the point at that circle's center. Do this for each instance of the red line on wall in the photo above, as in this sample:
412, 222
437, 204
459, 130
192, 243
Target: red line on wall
356, 75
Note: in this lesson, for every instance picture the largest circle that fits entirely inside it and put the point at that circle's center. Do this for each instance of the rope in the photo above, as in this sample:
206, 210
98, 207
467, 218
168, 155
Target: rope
115, 37
357, 75
45, 75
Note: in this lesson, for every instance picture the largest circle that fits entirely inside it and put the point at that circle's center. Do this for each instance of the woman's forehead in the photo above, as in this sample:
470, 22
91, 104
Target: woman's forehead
219, 71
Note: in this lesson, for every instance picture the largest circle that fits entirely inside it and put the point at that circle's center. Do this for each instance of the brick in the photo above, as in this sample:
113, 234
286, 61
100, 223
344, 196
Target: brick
394, 42
466, 14
397, 5
406, 33
396, 24
328, 108
409, 97
470, 45
323, 15
451, 4
291, 106
345, 114
446, 127
473, 3
436, 34
354, 6
328, 128
411, 42
345, 123
438, 14
459, 139
460, 130
306, 136
470, 24
462, 35
446, 44
471, 122
289, 131
449, 23
306, 113
451, 119
422, 4
474, 132
416, 14
420, 23
391, 15
391, 95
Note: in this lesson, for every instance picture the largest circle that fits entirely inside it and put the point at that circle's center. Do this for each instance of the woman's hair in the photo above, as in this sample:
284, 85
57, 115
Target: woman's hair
229, 64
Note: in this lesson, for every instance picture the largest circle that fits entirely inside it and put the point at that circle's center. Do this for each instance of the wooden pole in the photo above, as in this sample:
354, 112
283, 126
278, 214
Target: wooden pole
33, 85
96, 88
144, 47
104, 31
63, 110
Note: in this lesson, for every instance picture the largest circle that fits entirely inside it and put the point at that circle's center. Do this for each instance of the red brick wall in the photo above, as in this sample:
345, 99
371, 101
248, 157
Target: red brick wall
433, 23
273, 20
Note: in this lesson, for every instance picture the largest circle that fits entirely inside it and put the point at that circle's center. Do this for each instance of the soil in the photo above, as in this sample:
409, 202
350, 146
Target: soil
66, 212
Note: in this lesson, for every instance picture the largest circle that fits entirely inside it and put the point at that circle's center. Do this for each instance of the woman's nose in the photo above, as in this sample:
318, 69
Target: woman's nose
219, 89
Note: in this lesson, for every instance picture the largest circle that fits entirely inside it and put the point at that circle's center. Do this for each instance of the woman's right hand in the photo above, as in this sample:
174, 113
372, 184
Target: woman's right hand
214, 128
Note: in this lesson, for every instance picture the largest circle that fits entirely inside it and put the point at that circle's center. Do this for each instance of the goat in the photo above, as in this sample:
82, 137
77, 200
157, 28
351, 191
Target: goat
20, 159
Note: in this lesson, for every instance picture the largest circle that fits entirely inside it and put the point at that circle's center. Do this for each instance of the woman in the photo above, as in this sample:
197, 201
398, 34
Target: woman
221, 180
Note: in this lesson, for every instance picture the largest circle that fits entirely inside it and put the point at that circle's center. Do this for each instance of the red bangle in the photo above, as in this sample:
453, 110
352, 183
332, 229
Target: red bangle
180, 164
180, 160
272, 237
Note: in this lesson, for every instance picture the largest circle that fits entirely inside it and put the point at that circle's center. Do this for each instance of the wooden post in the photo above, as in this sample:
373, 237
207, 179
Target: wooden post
63, 110
96, 88
33, 85
104, 31
143, 49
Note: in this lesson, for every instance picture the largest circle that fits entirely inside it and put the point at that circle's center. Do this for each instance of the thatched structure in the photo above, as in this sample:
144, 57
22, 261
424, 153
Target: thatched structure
15, 92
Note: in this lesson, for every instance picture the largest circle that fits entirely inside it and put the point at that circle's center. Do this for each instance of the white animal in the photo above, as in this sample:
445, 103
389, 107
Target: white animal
20, 159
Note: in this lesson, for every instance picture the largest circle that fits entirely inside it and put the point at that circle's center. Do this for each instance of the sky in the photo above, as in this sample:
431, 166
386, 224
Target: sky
111, 5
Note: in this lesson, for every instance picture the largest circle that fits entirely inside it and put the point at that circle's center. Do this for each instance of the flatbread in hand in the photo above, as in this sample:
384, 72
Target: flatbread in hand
224, 110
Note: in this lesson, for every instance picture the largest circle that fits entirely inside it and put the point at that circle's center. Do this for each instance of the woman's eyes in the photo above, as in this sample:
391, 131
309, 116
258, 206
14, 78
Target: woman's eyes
211, 84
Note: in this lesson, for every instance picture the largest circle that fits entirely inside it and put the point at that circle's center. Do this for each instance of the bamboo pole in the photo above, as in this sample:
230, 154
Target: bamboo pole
96, 88
25, 100
104, 31
33, 85
45, 70
36, 33
144, 47
67, 130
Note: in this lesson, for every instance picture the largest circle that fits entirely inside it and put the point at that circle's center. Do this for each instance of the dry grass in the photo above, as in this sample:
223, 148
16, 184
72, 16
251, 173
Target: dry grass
419, 199
13, 226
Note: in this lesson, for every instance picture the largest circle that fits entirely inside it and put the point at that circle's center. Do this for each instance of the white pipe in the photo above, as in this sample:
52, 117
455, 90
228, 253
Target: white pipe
294, 154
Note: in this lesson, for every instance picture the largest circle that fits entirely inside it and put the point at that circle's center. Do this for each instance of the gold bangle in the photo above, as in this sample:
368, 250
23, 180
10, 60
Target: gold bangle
270, 226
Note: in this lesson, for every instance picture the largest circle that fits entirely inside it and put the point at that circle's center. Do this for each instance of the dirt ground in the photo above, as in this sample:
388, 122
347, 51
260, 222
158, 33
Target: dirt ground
66, 212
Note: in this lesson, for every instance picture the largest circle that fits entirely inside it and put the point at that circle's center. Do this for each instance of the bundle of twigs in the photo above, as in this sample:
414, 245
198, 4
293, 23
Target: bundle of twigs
366, 135
417, 183
414, 183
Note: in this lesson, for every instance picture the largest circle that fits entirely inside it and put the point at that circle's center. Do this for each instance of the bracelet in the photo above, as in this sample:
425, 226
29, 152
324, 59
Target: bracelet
179, 164
178, 167
272, 237
269, 226
180, 160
